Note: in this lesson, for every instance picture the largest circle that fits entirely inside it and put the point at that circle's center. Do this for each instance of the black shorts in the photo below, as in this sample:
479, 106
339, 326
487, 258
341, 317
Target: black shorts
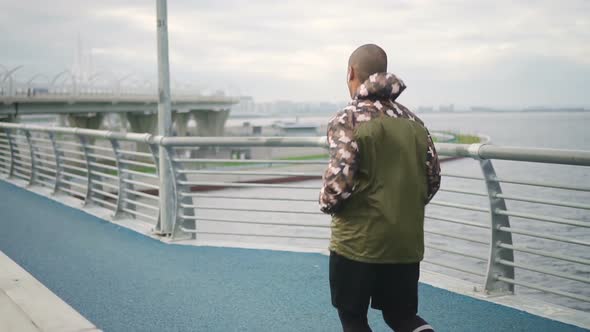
389, 287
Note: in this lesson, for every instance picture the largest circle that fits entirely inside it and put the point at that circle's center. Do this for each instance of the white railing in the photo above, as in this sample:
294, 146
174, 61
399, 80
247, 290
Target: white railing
470, 229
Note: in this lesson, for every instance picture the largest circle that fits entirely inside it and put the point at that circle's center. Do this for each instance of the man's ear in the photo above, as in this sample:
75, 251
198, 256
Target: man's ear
351, 73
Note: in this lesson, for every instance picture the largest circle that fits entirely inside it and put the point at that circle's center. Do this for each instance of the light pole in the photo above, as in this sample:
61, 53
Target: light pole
60, 74
29, 84
8, 74
164, 120
118, 83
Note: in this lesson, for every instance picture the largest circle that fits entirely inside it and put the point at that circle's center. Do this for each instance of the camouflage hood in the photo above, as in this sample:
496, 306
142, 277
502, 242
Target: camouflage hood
380, 86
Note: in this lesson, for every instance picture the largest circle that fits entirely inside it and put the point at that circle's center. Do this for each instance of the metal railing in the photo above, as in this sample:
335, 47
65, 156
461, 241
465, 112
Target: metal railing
500, 231
98, 167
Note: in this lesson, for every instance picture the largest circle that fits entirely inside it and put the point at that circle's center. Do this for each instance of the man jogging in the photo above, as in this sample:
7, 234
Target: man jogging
383, 170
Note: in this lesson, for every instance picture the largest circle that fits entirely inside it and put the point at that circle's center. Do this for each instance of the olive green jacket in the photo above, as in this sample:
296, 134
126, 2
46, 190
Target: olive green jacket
383, 171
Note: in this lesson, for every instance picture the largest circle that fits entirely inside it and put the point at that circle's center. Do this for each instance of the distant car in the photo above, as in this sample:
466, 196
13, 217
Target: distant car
37, 91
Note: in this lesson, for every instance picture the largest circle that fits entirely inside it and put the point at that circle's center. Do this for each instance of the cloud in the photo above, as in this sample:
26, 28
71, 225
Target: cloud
298, 50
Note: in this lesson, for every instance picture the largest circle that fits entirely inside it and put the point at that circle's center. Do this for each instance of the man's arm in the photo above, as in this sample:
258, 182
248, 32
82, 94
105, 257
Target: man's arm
432, 169
339, 176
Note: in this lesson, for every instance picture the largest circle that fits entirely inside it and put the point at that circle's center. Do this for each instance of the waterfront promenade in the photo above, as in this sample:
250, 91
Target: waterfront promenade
121, 280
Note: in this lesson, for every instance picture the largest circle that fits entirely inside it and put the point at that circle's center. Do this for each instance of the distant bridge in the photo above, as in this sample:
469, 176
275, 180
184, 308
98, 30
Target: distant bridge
95, 103
84, 102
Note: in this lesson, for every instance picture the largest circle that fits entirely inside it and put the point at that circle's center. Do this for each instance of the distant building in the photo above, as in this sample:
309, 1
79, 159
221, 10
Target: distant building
446, 108
424, 109
246, 105
482, 109
298, 129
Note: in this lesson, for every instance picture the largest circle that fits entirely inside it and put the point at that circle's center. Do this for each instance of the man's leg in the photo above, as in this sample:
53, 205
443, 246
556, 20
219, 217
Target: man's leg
396, 295
354, 322
351, 285
414, 323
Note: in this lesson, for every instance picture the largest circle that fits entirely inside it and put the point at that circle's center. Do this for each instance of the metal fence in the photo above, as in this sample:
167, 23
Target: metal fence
498, 231
115, 171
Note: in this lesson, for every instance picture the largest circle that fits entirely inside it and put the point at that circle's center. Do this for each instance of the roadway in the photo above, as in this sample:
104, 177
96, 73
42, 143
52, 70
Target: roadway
96, 103
123, 281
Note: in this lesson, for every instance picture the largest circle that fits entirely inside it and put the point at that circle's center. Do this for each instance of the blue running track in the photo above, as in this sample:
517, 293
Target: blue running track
123, 281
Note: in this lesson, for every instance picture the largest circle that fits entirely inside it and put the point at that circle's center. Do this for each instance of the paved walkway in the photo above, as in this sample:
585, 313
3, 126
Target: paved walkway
28, 306
123, 281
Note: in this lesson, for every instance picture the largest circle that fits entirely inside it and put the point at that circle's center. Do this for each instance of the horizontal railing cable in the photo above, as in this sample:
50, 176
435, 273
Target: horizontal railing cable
225, 208
142, 194
545, 236
135, 153
75, 184
250, 222
103, 193
245, 185
228, 172
250, 161
75, 176
286, 199
544, 289
147, 206
102, 201
148, 175
555, 220
544, 201
298, 237
72, 192
103, 166
143, 215
457, 221
455, 236
544, 184
459, 206
544, 271
453, 267
456, 252
137, 163
107, 184
545, 254
148, 185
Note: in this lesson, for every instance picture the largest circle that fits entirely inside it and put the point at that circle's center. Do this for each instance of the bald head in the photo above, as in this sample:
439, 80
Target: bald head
368, 60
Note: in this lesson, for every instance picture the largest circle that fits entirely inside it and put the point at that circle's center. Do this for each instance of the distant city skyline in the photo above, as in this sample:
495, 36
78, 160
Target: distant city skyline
249, 106
500, 54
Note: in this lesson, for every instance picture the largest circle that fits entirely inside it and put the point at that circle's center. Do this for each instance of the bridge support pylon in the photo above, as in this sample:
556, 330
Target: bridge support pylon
85, 120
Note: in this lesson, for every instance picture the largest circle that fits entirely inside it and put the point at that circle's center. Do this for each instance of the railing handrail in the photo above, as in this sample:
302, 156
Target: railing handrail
476, 151
106, 134
516, 153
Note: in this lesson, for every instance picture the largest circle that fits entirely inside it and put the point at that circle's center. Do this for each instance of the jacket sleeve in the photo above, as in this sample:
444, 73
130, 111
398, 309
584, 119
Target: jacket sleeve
338, 179
432, 169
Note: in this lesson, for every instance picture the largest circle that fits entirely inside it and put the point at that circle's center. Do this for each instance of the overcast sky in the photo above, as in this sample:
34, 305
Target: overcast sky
467, 52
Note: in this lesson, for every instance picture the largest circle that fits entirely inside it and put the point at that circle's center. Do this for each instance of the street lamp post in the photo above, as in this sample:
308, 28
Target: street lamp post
164, 121
8, 76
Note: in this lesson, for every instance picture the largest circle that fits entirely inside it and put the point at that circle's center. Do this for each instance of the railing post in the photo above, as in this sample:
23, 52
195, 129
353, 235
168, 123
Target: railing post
167, 193
32, 154
494, 269
155, 156
178, 189
123, 186
11, 148
87, 159
57, 157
